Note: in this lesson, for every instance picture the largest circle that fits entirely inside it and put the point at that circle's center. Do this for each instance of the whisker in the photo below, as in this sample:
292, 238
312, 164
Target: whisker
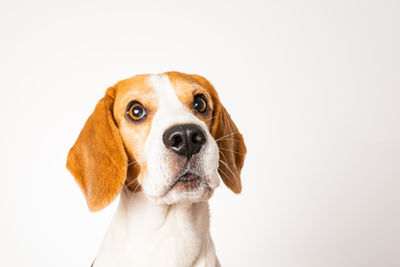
231, 151
132, 163
226, 163
136, 188
128, 184
219, 169
227, 135
227, 166
130, 201
210, 118
228, 139
229, 169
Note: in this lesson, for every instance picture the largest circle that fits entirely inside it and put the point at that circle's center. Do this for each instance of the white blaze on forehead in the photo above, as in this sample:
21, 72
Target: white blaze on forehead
165, 91
170, 107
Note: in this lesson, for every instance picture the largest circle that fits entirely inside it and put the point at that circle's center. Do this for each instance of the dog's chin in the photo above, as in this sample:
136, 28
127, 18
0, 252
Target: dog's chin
189, 188
176, 196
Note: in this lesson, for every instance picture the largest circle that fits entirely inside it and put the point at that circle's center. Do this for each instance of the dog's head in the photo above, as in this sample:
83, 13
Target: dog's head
165, 134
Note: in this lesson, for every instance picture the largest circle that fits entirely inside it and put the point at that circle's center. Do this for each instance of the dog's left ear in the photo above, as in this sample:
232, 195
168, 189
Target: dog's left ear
98, 160
232, 149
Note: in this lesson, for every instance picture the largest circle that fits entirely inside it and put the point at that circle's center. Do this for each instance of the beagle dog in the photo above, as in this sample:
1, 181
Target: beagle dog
162, 142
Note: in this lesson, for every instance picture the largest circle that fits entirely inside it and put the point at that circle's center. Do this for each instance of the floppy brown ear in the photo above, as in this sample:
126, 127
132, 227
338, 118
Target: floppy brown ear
232, 149
98, 160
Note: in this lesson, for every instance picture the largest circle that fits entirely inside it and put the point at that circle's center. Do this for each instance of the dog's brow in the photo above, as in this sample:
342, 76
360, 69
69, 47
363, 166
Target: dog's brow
164, 90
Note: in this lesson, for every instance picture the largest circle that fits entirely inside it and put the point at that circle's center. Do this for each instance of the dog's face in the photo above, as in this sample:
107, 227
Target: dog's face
165, 134
164, 122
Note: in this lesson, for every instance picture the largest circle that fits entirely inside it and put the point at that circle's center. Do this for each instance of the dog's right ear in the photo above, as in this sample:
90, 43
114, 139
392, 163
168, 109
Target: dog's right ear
98, 160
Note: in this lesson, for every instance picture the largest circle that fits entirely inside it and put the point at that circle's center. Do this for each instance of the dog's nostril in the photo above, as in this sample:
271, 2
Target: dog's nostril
176, 140
198, 138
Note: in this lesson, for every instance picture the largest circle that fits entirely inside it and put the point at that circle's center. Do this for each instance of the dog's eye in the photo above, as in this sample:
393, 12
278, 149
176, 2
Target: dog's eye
200, 103
135, 111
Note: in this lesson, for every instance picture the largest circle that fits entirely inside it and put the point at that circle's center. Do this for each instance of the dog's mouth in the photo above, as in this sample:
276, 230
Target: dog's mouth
186, 186
186, 182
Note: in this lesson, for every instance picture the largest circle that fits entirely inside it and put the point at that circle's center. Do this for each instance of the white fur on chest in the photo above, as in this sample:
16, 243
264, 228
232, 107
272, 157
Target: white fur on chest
144, 234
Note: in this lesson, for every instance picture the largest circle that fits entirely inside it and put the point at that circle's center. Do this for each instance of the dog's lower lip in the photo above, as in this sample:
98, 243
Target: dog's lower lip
187, 181
188, 177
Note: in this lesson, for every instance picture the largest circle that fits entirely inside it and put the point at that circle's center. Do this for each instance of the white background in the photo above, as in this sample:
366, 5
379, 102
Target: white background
314, 86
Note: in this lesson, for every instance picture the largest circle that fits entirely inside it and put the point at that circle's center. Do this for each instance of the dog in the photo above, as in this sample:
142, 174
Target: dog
162, 142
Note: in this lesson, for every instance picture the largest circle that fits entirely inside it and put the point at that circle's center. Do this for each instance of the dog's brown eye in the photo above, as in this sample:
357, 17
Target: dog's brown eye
200, 103
135, 111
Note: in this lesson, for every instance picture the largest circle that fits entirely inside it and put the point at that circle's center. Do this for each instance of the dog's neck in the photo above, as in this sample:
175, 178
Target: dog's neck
144, 234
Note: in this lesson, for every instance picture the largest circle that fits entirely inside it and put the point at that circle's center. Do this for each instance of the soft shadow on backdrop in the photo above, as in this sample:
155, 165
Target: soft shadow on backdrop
313, 85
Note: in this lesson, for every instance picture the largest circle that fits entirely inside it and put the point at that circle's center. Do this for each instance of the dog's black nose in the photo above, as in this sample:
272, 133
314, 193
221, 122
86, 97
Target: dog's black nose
184, 139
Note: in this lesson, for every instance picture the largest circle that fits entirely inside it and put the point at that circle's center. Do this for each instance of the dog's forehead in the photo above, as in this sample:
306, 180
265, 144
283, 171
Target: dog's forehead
165, 85
136, 86
173, 90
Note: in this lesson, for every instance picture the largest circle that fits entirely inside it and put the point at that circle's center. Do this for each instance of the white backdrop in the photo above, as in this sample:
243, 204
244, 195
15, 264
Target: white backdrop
314, 86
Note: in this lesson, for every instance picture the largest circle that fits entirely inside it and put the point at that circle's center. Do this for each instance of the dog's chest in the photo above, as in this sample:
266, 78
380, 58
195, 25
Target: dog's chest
175, 236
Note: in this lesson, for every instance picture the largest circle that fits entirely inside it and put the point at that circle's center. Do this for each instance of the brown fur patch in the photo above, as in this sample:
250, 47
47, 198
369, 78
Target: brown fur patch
97, 160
